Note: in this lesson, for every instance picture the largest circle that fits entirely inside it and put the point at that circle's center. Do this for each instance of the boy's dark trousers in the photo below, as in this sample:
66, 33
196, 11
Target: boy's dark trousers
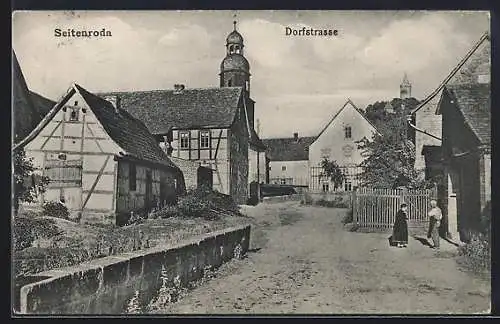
432, 221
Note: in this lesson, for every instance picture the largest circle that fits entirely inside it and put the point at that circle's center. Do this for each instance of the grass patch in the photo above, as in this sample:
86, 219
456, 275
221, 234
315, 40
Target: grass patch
68, 243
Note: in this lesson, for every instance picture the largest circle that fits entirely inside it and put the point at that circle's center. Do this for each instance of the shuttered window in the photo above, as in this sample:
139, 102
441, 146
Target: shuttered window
64, 173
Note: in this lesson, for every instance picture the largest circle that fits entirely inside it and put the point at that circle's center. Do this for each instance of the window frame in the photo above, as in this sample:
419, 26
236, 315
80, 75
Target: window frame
184, 135
74, 115
283, 168
207, 137
348, 132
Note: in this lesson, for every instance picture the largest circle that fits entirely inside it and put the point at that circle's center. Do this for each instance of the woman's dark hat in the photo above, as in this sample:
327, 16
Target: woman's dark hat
404, 205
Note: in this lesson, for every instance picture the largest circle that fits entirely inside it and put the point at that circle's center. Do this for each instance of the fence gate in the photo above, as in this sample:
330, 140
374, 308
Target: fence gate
375, 209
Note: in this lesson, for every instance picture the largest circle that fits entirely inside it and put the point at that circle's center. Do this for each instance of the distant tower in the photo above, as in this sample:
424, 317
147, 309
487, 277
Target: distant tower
405, 88
234, 69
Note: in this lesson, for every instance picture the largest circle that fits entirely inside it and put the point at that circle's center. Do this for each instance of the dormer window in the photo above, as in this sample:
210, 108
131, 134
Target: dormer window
348, 132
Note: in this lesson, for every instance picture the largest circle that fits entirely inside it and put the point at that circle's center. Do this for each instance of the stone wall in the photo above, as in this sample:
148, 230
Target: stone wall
105, 286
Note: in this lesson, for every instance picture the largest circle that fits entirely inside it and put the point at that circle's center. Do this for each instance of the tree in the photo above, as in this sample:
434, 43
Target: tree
390, 159
26, 183
333, 171
377, 114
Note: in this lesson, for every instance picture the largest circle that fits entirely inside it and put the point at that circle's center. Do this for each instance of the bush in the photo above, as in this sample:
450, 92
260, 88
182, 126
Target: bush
192, 206
337, 203
55, 209
476, 255
166, 212
27, 230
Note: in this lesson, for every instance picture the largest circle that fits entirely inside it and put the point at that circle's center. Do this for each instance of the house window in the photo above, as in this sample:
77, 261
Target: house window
348, 132
204, 139
132, 179
74, 114
326, 187
229, 83
283, 168
184, 140
283, 181
348, 186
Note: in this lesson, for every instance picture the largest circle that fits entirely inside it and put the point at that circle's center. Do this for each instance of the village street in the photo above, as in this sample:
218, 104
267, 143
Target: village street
303, 260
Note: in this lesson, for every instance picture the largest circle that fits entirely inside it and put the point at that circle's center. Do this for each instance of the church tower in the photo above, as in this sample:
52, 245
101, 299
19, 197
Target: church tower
234, 69
405, 88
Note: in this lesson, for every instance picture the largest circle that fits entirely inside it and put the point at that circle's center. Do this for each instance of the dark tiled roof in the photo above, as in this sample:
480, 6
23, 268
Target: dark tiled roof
128, 132
453, 73
42, 104
163, 110
255, 140
26, 116
473, 101
288, 149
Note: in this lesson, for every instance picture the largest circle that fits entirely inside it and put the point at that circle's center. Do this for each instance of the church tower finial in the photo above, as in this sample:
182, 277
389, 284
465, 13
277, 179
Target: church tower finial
405, 88
235, 70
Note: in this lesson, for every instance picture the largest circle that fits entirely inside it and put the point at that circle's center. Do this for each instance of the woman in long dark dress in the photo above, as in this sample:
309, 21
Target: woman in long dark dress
400, 229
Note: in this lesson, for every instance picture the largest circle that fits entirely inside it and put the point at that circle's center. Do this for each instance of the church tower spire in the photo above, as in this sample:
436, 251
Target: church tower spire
405, 88
234, 69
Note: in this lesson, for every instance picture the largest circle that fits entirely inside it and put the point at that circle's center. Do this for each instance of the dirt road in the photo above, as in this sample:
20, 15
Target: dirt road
304, 261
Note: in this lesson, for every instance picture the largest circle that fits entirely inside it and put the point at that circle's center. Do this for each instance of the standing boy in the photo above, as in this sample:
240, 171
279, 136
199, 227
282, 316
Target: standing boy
435, 217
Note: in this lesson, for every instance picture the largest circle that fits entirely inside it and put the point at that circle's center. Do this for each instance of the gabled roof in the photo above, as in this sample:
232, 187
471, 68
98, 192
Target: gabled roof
163, 110
348, 102
129, 133
25, 114
42, 104
288, 149
474, 103
484, 37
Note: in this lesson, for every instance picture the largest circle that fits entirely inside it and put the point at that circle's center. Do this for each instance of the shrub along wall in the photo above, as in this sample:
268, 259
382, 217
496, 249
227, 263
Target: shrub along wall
104, 286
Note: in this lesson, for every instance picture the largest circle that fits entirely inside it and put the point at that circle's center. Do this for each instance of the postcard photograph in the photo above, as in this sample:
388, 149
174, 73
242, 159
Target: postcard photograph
251, 162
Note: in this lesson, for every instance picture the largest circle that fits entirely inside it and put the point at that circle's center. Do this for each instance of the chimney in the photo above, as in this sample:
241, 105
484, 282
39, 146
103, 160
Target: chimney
115, 101
296, 137
178, 88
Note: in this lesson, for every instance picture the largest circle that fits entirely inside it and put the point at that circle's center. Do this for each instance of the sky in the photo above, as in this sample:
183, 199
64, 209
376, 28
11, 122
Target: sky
297, 82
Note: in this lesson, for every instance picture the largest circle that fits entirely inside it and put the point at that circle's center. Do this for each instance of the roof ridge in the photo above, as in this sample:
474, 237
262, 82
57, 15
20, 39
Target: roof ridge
163, 90
276, 138
472, 50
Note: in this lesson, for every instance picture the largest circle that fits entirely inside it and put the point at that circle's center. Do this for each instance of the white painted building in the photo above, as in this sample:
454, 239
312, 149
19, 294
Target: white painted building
337, 141
288, 160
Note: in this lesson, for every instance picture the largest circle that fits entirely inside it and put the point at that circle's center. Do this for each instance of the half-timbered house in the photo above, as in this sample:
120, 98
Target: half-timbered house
207, 125
102, 162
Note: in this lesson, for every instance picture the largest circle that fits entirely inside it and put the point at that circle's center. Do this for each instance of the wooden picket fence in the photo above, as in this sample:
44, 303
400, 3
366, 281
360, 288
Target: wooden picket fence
375, 209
